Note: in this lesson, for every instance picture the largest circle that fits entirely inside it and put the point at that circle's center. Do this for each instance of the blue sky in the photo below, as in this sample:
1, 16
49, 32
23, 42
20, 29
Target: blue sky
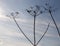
10, 35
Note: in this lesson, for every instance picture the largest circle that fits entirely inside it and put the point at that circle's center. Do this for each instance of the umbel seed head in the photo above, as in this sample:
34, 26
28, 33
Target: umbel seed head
17, 12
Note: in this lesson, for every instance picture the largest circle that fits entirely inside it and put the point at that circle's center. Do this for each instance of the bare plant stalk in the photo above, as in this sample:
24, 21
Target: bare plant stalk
43, 34
21, 30
54, 23
34, 31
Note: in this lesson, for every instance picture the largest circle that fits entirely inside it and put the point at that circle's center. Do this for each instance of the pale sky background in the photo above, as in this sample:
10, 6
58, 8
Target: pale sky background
10, 35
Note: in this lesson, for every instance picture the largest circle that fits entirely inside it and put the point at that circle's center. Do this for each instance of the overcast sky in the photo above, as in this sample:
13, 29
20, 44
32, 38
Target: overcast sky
10, 35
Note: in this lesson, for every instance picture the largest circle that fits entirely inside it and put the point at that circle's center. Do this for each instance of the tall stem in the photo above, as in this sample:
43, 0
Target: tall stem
22, 31
43, 34
34, 31
54, 22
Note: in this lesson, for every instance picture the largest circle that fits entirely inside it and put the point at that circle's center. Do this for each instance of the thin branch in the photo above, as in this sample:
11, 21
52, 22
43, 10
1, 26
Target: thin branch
22, 31
43, 34
55, 23
34, 31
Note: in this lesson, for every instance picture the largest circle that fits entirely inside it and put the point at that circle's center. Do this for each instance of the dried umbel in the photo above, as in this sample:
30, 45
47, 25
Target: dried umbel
13, 14
34, 11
